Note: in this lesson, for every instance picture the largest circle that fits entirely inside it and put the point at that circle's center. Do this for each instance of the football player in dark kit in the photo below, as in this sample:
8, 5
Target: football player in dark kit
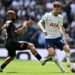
11, 43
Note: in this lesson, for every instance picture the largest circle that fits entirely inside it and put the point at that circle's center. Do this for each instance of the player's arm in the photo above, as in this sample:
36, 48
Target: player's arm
62, 29
41, 23
24, 27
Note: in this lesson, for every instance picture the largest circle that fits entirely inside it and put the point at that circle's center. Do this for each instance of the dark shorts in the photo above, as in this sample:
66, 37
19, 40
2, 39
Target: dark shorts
57, 42
12, 46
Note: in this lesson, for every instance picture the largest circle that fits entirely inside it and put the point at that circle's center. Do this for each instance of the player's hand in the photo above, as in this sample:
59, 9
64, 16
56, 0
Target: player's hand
29, 22
68, 39
45, 32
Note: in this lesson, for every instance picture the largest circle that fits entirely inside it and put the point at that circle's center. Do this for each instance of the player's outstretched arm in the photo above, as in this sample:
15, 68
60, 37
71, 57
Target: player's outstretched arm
68, 39
22, 29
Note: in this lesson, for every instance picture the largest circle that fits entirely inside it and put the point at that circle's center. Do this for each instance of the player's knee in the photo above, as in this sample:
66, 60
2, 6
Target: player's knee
51, 53
66, 48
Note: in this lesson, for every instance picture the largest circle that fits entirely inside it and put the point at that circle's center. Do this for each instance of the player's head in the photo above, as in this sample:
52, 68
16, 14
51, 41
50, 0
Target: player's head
57, 7
11, 15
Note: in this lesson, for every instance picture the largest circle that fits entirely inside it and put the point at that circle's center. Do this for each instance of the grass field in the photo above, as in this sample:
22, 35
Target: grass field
21, 67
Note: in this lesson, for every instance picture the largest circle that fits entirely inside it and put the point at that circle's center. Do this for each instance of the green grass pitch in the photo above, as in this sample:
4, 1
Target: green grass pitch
22, 67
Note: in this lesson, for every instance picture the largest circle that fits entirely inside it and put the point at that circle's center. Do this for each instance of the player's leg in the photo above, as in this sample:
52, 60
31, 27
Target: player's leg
34, 52
5, 63
7, 60
52, 54
26, 45
61, 44
67, 51
50, 48
10, 46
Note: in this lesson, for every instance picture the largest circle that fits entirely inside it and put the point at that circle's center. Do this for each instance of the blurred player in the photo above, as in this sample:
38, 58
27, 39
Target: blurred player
54, 31
11, 43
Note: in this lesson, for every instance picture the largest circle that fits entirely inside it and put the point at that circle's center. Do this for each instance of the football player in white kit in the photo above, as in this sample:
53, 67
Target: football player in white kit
53, 30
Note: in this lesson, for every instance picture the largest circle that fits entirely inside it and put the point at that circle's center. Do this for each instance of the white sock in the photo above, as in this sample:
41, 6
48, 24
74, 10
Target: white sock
68, 58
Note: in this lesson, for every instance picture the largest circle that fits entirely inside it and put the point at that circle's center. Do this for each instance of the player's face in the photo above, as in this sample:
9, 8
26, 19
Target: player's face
13, 16
57, 9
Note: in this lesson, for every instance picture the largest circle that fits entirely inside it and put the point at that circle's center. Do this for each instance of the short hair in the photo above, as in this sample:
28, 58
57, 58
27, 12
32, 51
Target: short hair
10, 12
58, 4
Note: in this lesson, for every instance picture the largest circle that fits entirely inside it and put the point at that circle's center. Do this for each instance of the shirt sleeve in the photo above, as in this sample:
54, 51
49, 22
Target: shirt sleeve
8, 23
43, 20
44, 17
61, 21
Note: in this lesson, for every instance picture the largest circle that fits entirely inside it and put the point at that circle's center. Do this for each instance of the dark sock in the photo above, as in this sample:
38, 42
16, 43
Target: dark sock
3, 66
38, 56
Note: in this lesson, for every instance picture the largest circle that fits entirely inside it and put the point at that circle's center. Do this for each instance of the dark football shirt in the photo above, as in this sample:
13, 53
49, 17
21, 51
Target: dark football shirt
10, 30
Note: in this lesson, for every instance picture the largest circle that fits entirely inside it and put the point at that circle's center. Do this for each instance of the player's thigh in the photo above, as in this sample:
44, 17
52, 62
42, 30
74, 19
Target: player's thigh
11, 53
60, 43
11, 49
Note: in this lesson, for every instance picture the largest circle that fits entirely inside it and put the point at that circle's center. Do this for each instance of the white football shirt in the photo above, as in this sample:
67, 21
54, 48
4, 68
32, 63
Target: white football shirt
52, 25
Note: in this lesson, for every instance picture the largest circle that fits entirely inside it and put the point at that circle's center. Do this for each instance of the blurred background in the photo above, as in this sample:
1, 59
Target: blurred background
35, 9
